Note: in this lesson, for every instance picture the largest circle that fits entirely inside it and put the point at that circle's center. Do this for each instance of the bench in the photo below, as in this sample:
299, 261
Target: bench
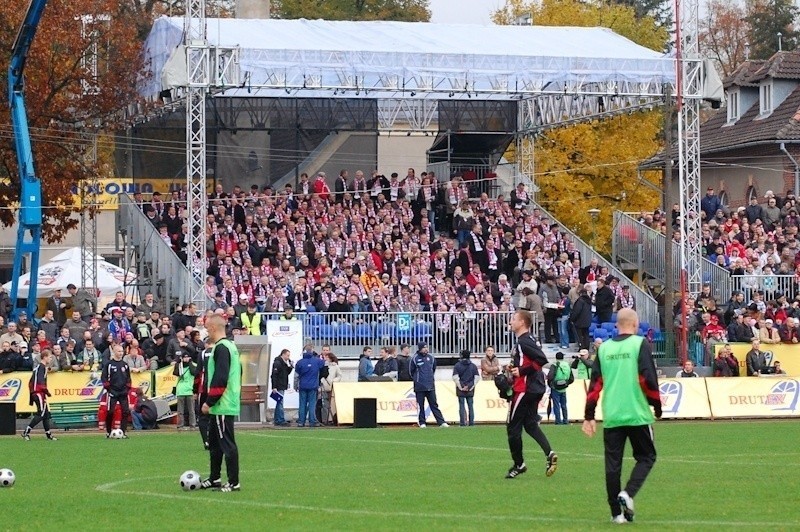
252, 397
74, 415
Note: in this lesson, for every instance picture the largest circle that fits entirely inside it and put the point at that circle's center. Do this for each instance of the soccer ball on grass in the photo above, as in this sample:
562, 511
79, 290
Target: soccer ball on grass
190, 481
117, 434
7, 478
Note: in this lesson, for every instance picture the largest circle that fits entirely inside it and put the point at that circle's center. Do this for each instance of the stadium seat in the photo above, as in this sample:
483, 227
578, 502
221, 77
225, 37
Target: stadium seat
385, 330
363, 330
345, 330
609, 326
592, 327
423, 330
602, 334
315, 319
311, 308
614, 318
326, 331
644, 325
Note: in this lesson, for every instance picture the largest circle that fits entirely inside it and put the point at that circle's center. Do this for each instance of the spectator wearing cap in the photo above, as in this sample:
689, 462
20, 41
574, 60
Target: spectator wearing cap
118, 326
25, 361
155, 351
219, 302
625, 299
119, 302
252, 322
423, 370
58, 306
736, 306
767, 333
241, 304
82, 301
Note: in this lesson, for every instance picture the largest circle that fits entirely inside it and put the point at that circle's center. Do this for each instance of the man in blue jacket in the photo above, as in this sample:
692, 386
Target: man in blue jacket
423, 368
307, 370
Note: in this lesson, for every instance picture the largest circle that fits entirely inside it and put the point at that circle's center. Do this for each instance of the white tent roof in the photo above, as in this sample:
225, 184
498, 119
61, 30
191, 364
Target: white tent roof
65, 268
424, 57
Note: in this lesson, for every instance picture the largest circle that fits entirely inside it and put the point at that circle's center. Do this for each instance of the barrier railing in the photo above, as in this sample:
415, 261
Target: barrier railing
158, 268
769, 284
646, 306
446, 333
639, 245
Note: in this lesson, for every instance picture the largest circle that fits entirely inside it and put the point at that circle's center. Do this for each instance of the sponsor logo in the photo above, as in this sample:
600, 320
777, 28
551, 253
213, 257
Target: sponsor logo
783, 396
671, 395
9, 390
404, 322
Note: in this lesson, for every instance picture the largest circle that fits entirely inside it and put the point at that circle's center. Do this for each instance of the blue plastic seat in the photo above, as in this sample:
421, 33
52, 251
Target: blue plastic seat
608, 326
326, 331
315, 319
592, 327
385, 330
601, 333
643, 325
614, 318
311, 308
345, 330
363, 330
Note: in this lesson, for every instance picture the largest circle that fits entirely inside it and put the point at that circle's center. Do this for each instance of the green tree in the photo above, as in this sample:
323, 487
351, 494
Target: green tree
594, 164
402, 10
621, 19
767, 18
658, 10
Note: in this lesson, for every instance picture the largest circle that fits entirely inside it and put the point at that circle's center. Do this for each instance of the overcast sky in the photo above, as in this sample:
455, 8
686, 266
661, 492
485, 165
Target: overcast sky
464, 11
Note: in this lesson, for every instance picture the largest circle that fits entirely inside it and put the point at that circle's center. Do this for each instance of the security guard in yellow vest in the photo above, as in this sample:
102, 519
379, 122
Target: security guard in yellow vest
251, 320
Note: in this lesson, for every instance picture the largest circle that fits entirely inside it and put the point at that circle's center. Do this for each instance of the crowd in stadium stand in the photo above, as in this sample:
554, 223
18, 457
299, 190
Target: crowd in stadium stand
756, 244
407, 244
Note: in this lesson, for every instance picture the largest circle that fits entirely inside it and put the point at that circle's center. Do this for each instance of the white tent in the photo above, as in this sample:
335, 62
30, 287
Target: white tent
394, 59
65, 268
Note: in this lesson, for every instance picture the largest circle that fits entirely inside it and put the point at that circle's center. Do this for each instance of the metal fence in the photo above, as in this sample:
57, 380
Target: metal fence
446, 333
638, 244
646, 306
159, 269
769, 284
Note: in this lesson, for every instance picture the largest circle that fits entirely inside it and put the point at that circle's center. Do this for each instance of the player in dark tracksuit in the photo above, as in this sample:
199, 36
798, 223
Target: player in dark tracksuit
529, 388
38, 396
201, 393
625, 374
117, 382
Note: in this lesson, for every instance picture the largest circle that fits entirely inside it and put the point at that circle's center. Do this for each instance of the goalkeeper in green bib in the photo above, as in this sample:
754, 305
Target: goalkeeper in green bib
625, 374
222, 405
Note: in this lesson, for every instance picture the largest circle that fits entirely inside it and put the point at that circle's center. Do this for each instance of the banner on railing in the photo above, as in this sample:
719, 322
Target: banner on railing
787, 354
754, 396
680, 399
397, 402
64, 386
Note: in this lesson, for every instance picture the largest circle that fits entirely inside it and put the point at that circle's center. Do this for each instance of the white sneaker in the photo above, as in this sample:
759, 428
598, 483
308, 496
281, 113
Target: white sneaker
422, 425
626, 502
444, 425
619, 520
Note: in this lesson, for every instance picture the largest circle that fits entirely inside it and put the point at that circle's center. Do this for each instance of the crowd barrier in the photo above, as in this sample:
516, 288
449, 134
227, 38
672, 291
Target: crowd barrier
80, 387
742, 397
787, 354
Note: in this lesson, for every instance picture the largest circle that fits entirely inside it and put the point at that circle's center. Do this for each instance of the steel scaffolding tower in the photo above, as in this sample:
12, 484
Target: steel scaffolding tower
198, 70
689, 85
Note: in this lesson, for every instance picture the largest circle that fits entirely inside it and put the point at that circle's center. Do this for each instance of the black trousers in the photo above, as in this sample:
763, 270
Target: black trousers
644, 452
203, 420
221, 442
430, 395
42, 412
551, 325
582, 337
111, 403
523, 413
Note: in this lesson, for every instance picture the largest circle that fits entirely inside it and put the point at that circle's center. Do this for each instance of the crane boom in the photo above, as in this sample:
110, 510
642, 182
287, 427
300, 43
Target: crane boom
30, 199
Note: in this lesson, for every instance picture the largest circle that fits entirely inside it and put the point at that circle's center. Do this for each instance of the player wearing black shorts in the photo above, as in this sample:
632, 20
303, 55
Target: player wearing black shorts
117, 383
529, 387
38, 396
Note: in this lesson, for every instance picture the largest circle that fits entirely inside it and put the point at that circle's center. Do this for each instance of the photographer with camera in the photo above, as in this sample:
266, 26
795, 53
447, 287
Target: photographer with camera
559, 378
583, 364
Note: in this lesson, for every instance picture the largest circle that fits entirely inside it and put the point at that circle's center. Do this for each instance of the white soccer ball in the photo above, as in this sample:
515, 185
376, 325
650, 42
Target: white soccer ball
117, 434
7, 478
190, 481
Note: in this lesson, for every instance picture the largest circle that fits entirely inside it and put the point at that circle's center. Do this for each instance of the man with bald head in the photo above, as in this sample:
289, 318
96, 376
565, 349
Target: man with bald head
625, 374
224, 388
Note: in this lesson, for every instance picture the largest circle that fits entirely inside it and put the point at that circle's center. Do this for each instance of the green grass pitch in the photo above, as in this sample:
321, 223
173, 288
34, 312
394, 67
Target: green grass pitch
709, 475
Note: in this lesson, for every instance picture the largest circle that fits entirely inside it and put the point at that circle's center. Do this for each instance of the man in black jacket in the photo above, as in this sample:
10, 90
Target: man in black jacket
281, 368
604, 301
581, 318
145, 413
527, 361
117, 381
